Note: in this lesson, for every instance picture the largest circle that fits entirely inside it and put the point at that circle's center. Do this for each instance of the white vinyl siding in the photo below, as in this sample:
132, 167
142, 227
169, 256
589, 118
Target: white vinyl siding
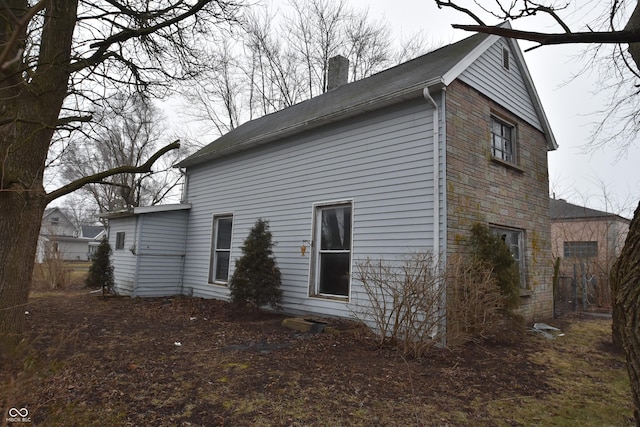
152, 261
382, 161
160, 253
507, 87
124, 262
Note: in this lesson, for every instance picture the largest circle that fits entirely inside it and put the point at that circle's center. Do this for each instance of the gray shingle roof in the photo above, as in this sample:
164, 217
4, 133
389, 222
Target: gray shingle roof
400, 82
561, 209
91, 230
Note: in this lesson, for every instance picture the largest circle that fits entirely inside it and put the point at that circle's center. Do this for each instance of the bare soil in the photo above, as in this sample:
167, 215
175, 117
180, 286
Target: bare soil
93, 360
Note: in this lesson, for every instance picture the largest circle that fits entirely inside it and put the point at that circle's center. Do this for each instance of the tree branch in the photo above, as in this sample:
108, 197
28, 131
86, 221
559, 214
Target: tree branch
99, 177
464, 10
624, 36
128, 33
63, 121
21, 25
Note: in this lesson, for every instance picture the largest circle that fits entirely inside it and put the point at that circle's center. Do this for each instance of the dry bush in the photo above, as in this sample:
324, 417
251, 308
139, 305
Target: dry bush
53, 272
474, 302
403, 301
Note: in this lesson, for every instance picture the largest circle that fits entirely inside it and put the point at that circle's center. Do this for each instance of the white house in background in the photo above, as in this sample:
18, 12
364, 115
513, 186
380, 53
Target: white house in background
405, 160
59, 236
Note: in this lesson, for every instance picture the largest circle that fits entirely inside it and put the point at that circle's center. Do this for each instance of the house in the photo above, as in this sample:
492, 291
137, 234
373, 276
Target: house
405, 160
60, 237
588, 242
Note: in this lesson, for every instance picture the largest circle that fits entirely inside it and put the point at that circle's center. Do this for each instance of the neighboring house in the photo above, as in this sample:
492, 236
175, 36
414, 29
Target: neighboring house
59, 237
94, 232
587, 241
405, 160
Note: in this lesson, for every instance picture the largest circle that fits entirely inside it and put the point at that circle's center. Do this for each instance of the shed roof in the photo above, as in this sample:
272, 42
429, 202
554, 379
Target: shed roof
435, 69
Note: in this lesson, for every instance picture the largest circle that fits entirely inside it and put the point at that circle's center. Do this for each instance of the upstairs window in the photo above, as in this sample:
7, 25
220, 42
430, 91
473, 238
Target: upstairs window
503, 140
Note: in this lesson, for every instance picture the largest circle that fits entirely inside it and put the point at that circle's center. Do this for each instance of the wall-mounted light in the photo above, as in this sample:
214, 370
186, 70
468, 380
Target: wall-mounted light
305, 244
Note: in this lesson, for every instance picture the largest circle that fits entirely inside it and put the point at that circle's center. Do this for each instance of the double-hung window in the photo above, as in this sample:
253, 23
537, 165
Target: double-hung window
221, 249
332, 250
503, 144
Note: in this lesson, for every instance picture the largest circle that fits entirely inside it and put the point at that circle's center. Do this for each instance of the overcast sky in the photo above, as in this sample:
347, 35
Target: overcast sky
597, 178
601, 178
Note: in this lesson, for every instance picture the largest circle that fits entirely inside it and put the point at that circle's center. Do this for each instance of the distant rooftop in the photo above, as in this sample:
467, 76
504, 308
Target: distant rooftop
91, 230
561, 209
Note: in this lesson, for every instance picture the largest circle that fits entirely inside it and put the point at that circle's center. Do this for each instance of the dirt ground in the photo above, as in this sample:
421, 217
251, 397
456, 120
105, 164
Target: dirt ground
178, 361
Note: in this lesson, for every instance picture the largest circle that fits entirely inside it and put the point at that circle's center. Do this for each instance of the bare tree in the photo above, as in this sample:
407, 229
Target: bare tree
128, 132
621, 30
282, 59
57, 57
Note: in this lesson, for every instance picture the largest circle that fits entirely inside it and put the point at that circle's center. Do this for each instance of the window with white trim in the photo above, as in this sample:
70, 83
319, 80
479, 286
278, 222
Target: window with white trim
221, 249
514, 238
332, 250
503, 144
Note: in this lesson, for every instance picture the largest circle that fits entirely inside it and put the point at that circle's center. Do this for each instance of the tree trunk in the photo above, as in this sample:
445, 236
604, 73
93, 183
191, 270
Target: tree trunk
20, 217
30, 104
625, 291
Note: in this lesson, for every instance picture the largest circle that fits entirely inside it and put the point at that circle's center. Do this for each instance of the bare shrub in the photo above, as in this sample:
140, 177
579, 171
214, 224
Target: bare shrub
53, 271
474, 301
404, 301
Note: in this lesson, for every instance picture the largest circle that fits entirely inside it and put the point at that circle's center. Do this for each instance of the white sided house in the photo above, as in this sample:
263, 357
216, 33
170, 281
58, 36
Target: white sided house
405, 160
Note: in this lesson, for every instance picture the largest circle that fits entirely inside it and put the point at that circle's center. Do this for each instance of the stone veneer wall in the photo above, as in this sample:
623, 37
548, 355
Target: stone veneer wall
482, 189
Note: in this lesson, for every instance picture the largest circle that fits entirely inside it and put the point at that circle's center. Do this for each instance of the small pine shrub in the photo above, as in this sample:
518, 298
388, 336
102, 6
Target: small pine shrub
256, 279
489, 250
101, 270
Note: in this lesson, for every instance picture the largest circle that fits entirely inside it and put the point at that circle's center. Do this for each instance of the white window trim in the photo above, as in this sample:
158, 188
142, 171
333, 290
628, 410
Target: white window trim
213, 252
314, 276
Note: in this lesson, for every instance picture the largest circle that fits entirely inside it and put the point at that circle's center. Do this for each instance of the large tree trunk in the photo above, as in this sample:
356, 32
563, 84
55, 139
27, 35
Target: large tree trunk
30, 103
625, 291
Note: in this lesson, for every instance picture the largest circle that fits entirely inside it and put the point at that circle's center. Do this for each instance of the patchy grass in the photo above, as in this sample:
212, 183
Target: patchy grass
590, 382
113, 361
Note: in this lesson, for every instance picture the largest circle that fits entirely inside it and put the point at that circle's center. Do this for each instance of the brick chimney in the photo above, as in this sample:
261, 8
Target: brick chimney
338, 72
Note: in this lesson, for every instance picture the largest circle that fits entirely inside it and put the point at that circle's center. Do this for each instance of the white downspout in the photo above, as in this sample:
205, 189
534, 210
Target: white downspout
436, 173
437, 253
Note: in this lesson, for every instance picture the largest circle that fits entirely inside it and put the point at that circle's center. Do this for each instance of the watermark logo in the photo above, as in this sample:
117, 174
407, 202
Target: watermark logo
18, 415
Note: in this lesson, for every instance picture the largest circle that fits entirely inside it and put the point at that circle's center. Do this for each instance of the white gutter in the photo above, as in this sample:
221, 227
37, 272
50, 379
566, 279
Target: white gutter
436, 173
